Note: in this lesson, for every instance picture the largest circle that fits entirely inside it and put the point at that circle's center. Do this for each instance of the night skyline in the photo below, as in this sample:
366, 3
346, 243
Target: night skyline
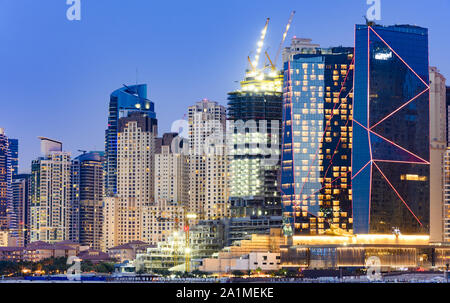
64, 84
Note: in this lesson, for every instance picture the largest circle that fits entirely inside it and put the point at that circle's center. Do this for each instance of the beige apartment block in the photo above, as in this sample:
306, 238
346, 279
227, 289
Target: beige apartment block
208, 161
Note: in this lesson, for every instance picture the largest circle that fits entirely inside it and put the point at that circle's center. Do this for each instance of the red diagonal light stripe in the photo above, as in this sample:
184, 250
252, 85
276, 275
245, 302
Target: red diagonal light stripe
398, 109
391, 142
397, 193
323, 187
335, 150
326, 126
354, 176
426, 84
401, 162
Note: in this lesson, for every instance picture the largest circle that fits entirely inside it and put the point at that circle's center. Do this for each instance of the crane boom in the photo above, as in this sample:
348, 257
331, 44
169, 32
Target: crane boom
260, 44
251, 64
284, 36
270, 61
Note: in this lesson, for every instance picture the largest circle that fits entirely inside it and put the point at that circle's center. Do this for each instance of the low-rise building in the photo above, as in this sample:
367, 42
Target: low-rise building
39, 250
253, 261
94, 256
128, 251
11, 253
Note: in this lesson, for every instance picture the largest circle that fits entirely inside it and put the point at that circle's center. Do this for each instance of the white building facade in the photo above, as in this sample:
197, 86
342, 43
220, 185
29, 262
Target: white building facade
208, 162
51, 213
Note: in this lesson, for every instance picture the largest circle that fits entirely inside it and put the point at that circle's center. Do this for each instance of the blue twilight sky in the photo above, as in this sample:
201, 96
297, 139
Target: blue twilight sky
56, 75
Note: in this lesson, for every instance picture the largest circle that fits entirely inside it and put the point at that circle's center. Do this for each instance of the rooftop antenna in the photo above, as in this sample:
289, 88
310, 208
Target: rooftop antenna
136, 76
369, 22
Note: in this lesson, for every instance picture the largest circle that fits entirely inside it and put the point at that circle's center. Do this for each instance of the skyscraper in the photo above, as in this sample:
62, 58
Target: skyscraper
50, 206
171, 190
87, 197
447, 97
391, 139
14, 150
208, 163
130, 210
317, 141
446, 207
5, 183
438, 146
123, 101
256, 112
20, 205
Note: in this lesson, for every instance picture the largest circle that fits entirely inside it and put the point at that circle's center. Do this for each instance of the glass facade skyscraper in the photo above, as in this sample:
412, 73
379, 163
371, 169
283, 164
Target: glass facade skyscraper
123, 101
14, 150
87, 197
20, 205
316, 144
391, 149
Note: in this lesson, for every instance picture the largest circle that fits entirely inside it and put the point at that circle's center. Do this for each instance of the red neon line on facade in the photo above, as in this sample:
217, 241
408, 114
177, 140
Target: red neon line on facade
426, 84
400, 162
354, 176
397, 193
389, 141
414, 98
326, 127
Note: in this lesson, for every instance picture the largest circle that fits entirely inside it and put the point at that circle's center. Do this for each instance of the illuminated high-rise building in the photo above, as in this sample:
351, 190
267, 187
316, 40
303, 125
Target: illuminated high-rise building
123, 101
317, 141
391, 130
20, 204
208, 163
256, 112
446, 188
5, 183
50, 206
171, 190
87, 198
438, 146
127, 216
14, 150
447, 102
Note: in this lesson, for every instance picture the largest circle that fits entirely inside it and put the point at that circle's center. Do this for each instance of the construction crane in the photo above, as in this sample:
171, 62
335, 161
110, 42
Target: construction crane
260, 44
251, 64
270, 61
283, 39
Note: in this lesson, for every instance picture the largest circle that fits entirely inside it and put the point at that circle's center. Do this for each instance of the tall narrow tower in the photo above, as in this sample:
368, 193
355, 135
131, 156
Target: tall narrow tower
123, 101
208, 163
317, 140
50, 206
391, 130
5, 183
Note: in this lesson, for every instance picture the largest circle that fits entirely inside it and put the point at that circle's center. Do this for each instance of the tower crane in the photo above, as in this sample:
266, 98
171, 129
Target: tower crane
288, 25
260, 44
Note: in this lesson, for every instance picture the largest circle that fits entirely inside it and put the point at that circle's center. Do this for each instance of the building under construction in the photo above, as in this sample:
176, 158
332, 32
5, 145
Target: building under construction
256, 113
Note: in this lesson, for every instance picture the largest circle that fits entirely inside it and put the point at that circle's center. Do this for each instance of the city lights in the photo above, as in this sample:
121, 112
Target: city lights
321, 158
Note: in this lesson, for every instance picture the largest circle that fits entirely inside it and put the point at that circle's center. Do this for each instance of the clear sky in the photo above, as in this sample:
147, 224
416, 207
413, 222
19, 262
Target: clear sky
56, 75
